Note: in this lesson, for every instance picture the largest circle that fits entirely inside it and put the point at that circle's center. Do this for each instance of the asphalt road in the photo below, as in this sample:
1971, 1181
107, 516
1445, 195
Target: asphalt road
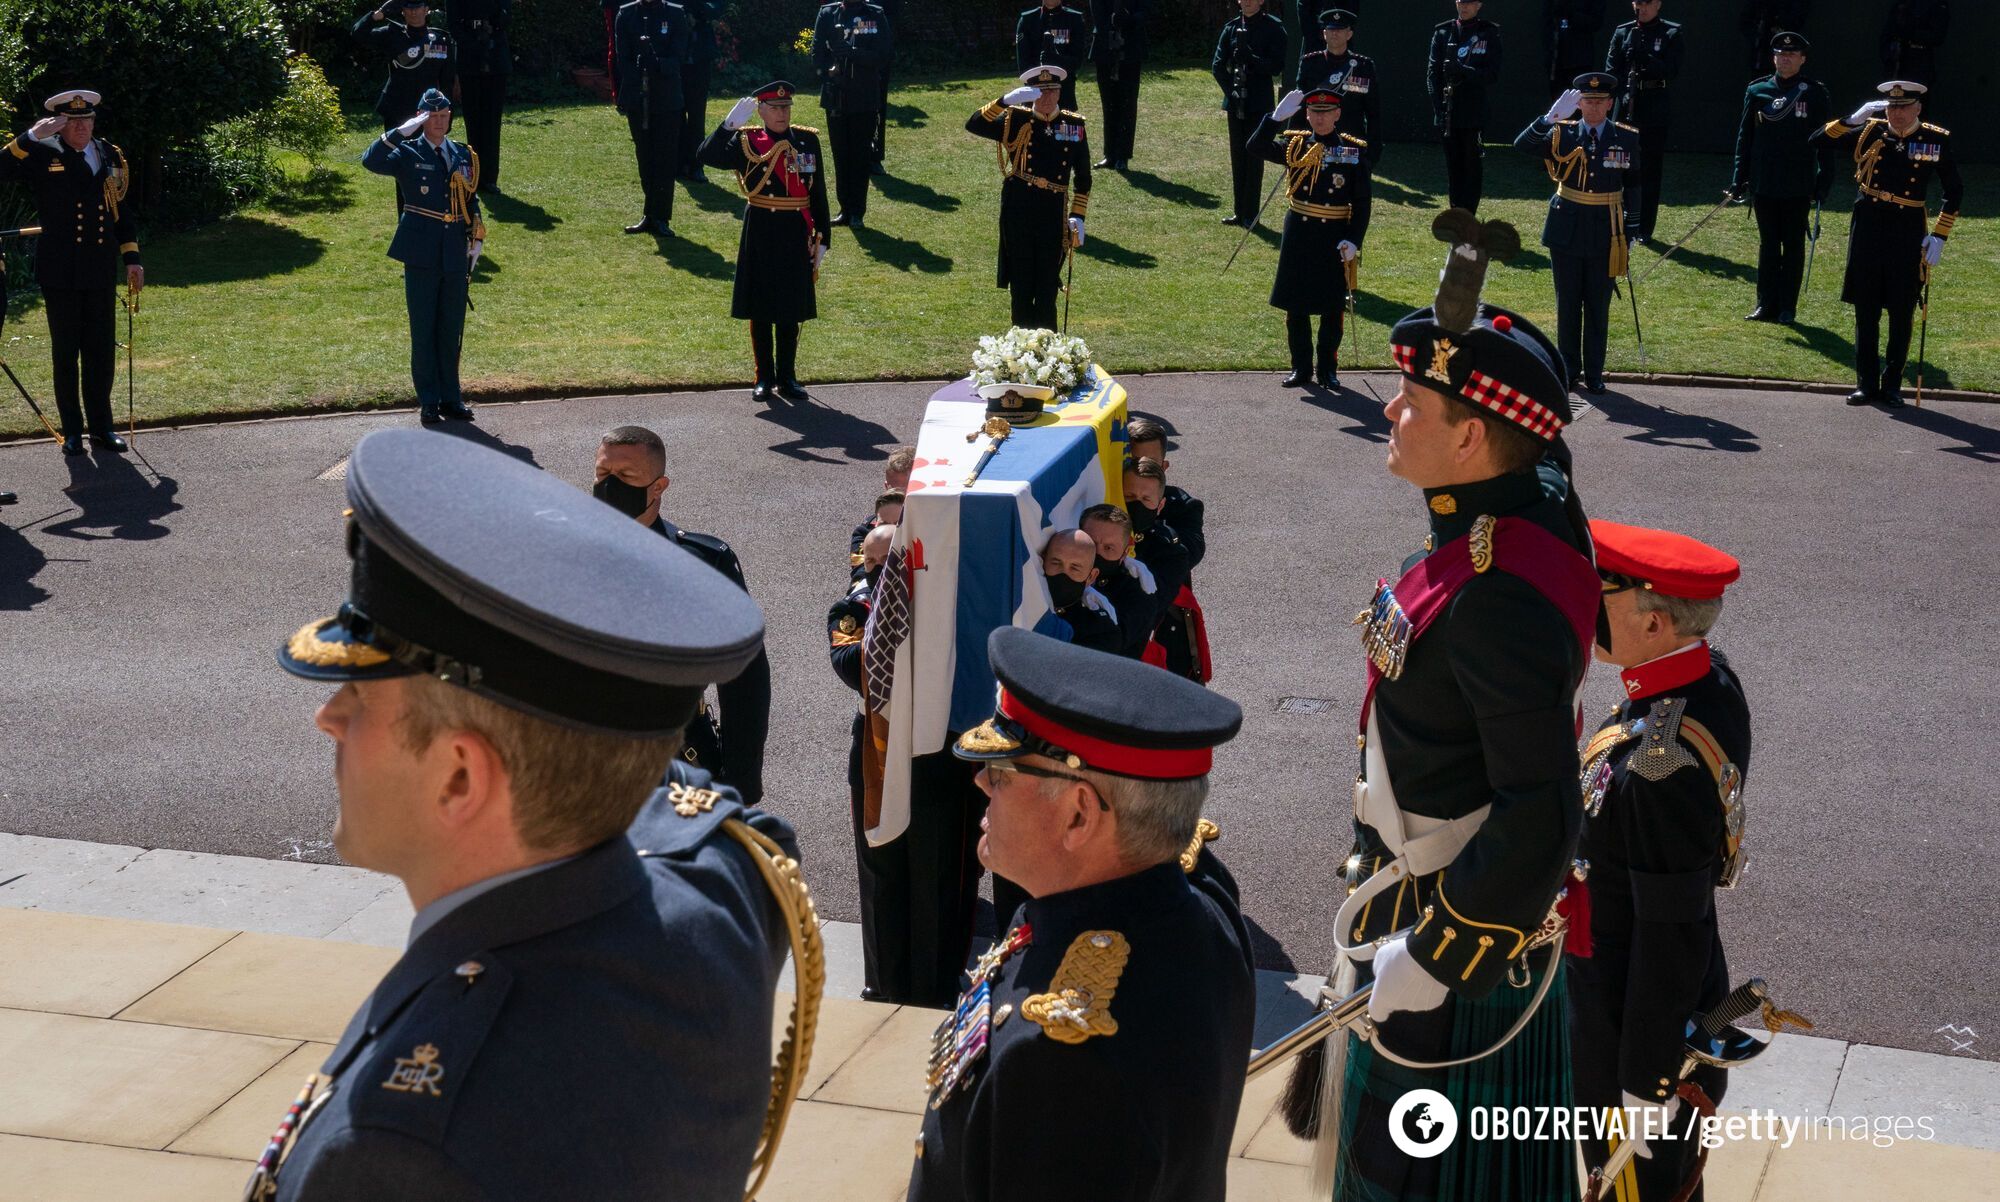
139, 703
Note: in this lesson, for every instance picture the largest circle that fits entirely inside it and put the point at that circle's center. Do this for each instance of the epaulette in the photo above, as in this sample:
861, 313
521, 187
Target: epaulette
1936, 129
1568, 121
1353, 139
1077, 1005
705, 545
1205, 832
1072, 116
807, 129
1661, 751
682, 812
1296, 133
1630, 129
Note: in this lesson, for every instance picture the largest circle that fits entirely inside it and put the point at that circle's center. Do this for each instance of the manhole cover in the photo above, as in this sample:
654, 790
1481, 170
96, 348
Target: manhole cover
337, 472
1305, 705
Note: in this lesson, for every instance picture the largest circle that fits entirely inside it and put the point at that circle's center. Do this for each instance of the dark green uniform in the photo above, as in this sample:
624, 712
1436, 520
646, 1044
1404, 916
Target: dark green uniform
1118, 46
852, 46
420, 57
1647, 59
651, 39
479, 27
1249, 55
1464, 63
1054, 37
1569, 39
1779, 168
1353, 75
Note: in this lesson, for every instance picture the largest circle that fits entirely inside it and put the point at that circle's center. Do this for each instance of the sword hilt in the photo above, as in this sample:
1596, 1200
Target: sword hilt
1745, 999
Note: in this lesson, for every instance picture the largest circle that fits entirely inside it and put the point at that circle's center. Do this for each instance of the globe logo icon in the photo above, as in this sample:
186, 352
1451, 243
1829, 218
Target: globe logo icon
1423, 1123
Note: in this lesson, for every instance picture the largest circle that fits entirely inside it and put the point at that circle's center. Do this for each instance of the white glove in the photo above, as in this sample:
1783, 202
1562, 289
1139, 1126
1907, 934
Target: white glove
412, 125
1347, 251
739, 113
1020, 95
1873, 108
472, 259
819, 254
1289, 105
1076, 231
1566, 105
1933, 250
1642, 1116
47, 127
1402, 984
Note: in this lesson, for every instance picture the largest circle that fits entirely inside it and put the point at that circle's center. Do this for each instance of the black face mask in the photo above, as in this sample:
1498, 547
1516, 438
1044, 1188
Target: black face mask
872, 575
628, 499
1065, 590
1142, 517
1108, 569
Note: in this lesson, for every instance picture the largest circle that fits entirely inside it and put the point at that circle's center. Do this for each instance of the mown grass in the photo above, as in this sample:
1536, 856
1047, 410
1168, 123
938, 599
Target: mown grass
294, 305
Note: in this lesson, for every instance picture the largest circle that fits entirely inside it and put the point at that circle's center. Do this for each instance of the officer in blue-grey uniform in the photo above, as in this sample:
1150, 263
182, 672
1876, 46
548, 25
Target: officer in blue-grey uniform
515, 661
1592, 217
1122, 992
438, 241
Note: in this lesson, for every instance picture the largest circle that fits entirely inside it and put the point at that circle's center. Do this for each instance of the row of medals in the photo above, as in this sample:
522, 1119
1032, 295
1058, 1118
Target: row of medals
1385, 631
961, 1040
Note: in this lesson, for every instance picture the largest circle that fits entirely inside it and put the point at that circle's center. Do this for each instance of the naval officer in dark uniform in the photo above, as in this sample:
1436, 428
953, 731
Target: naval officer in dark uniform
1121, 993
78, 181
1044, 192
1466, 807
1890, 255
651, 38
514, 664
1592, 217
1352, 75
1779, 167
479, 29
1326, 219
778, 167
421, 57
438, 241
1052, 34
1464, 65
1249, 57
1662, 830
1645, 56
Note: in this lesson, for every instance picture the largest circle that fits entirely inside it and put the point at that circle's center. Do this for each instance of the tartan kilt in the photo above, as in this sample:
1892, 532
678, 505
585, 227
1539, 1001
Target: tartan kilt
1533, 1070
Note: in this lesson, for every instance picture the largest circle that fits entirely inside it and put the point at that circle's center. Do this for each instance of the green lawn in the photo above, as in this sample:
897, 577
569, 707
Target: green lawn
294, 306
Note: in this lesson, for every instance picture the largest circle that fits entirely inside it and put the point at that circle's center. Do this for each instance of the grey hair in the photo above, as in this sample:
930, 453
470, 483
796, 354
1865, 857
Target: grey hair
1156, 818
1691, 619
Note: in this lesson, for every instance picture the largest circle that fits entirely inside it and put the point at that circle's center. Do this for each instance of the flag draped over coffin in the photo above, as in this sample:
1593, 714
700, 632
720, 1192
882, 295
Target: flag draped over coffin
967, 559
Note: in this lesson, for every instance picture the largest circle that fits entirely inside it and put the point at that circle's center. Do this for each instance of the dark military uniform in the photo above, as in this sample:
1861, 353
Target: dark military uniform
1467, 787
1464, 63
1913, 32
1647, 59
1327, 195
1046, 169
1763, 20
1885, 268
1118, 45
1658, 778
1569, 40
652, 38
1056, 37
1593, 214
728, 741
1249, 55
87, 233
697, 72
420, 58
1779, 167
784, 223
1126, 1004
440, 221
1188, 517
1089, 625
643, 966
852, 45
1353, 76
882, 887
479, 28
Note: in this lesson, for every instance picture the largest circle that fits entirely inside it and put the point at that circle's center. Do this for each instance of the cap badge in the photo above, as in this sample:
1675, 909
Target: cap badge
1078, 1003
1441, 352
1444, 505
419, 1072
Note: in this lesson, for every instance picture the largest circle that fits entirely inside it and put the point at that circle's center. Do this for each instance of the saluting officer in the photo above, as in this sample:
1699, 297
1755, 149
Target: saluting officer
1327, 201
479, 28
852, 44
420, 57
785, 230
1118, 46
1592, 217
1121, 993
514, 663
1662, 830
1044, 192
652, 38
1913, 31
78, 182
1249, 56
1464, 63
1569, 40
438, 241
1056, 35
1351, 75
1779, 167
1645, 56
697, 72
1889, 254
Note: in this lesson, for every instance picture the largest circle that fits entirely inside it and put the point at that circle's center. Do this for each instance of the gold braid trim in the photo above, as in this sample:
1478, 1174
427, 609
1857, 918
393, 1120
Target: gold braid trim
462, 185
117, 181
788, 1072
307, 647
1562, 164
1012, 149
770, 161
1205, 831
1945, 221
1078, 1003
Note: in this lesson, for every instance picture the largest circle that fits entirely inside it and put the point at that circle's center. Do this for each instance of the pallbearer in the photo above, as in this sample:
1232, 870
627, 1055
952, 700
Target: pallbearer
1326, 190
1045, 190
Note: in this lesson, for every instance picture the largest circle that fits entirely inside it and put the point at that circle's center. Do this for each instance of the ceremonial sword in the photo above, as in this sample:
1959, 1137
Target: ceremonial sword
1706, 218
1811, 250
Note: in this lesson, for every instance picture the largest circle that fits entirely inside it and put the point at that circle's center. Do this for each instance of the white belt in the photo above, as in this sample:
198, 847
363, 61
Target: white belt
1421, 845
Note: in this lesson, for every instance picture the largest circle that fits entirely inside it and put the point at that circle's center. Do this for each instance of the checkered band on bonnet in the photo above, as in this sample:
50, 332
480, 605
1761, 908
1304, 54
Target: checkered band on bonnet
1416, 359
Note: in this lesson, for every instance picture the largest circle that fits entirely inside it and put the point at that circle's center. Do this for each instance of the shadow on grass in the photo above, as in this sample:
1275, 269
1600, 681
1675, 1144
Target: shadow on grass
903, 254
1981, 443
1370, 424
710, 198
1380, 309
910, 192
112, 496
1389, 192
514, 211
819, 427
906, 116
1169, 191
322, 190
1713, 266
472, 433
1829, 345
694, 258
236, 248
1111, 253
1661, 426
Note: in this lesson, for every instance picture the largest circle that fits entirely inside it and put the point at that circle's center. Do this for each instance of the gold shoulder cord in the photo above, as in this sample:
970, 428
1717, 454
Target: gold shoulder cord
1012, 148
117, 182
1562, 164
781, 874
770, 161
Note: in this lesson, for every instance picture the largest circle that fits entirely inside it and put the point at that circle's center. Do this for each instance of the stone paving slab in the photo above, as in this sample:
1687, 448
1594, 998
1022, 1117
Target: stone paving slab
52, 1170
78, 964
275, 985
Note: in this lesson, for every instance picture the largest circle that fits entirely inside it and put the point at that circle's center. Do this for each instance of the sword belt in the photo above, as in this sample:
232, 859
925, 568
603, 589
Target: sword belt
433, 214
1615, 201
785, 203
1323, 212
1889, 197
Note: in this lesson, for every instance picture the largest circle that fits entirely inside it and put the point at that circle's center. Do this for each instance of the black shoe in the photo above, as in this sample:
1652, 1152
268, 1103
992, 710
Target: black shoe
876, 168
108, 442
73, 444
1860, 396
762, 391
429, 417
1891, 397
841, 219
1106, 165
1329, 380
1298, 379
1122, 165
1594, 385
641, 226
1786, 317
7, 498
1232, 219
791, 390
1760, 313
458, 411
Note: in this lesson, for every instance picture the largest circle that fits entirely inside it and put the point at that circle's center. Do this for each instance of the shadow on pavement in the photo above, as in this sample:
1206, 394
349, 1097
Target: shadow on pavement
1370, 424
819, 427
472, 433
112, 496
1980, 442
1666, 427
20, 562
